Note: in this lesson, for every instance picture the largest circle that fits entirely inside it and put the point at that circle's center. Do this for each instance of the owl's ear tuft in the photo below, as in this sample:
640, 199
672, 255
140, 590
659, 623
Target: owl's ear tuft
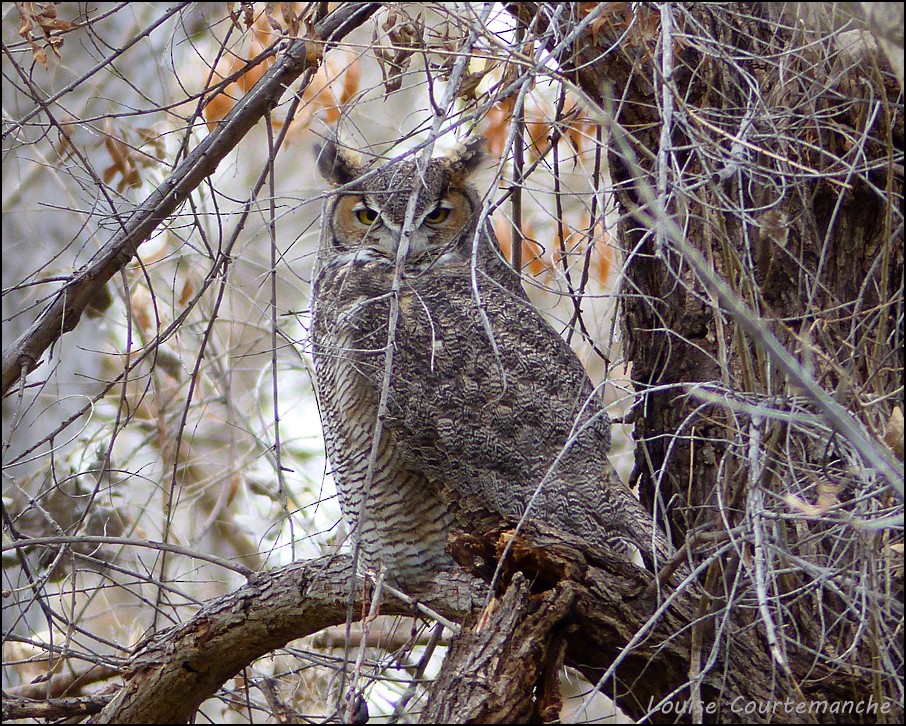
467, 157
338, 164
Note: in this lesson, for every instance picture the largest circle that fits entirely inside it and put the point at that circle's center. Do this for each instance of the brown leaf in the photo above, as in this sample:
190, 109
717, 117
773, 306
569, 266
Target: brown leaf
34, 17
406, 38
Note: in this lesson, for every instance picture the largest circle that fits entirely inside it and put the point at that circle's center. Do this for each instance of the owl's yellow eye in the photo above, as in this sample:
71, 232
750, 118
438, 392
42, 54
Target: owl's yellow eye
437, 215
366, 215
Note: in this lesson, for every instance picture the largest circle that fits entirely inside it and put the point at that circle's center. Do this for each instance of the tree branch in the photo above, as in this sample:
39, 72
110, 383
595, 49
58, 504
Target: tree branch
64, 312
559, 599
177, 669
613, 623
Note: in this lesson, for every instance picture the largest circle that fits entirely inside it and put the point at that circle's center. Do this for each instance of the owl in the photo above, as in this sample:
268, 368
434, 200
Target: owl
447, 399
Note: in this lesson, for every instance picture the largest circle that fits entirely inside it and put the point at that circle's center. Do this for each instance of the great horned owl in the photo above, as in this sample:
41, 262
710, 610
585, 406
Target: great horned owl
484, 407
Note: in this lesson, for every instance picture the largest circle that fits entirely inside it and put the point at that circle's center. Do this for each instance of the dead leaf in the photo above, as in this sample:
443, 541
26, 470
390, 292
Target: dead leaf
35, 18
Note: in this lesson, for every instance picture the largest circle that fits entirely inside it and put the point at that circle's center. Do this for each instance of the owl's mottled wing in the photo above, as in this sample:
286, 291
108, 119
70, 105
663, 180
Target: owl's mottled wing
491, 406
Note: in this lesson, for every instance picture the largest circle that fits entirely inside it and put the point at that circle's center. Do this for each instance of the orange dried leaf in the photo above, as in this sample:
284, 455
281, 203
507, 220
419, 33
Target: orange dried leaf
248, 79
499, 119
122, 163
187, 291
351, 81
291, 22
35, 17
533, 257
604, 260
142, 308
314, 48
504, 234
538, 132
217, 108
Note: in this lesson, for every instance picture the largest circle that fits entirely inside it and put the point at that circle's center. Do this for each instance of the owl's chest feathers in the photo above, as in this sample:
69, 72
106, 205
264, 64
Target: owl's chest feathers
435, 329
435, 348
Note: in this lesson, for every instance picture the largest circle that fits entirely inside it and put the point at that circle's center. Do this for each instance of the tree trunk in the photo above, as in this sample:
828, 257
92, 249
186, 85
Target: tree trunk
757, 165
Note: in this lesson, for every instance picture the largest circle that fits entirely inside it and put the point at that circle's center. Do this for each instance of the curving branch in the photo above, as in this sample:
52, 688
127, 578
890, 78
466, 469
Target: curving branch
565, 601
176, 670
561, 600
67, 306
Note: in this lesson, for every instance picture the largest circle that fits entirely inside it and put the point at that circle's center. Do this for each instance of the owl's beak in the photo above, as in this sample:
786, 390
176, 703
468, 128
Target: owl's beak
390, 237
418, 243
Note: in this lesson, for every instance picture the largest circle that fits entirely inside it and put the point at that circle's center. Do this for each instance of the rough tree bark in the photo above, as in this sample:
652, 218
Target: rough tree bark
559, 601
672, 336
798, 251
172, 673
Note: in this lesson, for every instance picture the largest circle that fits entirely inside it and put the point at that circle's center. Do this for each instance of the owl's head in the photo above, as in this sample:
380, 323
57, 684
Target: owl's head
370, 213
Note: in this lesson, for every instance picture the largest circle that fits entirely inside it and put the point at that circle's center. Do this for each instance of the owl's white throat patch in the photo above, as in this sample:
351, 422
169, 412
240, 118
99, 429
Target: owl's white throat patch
359, 258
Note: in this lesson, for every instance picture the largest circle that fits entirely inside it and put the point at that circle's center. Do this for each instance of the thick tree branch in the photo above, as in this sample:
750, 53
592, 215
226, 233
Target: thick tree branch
64, 312
606, 611
176, 670
559, 599
15, 707
504, 667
